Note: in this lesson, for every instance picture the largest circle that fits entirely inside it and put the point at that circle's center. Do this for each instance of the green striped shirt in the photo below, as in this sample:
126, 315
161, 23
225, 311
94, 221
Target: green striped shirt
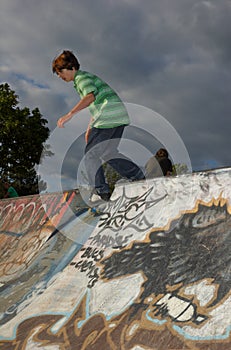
107, 110
12, 192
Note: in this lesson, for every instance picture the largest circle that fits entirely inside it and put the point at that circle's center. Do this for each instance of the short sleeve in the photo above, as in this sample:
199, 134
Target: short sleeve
86, 86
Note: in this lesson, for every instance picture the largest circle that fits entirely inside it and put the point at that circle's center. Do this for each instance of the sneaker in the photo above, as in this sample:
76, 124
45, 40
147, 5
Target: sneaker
96, 198
105, 196
138, 179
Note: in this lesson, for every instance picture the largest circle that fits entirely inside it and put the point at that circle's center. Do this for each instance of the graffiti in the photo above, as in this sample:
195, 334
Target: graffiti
93, 253
88, 257
152, 272
125, 213
25, 301
19, 252
177, 308
25, 288
99, 333
128, 212
25, 227
210, 217
106, 240
197, 248
29, 214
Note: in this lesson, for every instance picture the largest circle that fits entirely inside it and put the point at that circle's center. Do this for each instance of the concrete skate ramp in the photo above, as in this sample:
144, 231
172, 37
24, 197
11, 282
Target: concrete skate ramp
152, 272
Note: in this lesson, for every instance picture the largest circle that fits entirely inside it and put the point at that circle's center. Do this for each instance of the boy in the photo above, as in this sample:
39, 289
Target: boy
108, 120
10, 191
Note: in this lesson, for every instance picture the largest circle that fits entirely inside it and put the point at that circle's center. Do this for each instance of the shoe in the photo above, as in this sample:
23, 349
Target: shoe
139, 179
105, 196
96, 198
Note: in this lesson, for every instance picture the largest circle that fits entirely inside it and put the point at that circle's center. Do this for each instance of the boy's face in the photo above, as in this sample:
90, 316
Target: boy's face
66, 74
161, 153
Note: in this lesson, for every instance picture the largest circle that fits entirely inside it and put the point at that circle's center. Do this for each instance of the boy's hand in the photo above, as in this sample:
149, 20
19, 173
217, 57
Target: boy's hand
83, 103
63, 120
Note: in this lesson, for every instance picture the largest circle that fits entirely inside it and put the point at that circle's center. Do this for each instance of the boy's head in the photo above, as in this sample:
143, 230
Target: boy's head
6, 184
162, 152
66, 60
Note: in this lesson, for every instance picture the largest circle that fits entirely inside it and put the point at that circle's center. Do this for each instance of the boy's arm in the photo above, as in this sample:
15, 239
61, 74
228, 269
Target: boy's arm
6, 194
88, 131
83, 103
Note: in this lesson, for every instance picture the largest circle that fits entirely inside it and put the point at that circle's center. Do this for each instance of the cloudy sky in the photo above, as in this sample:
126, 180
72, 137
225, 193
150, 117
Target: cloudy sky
170, 56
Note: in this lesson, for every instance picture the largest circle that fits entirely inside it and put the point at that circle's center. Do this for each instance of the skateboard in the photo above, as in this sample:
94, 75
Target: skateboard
91, 210
95, 211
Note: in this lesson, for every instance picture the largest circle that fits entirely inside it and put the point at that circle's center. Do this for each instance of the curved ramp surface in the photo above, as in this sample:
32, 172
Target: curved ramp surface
152, 272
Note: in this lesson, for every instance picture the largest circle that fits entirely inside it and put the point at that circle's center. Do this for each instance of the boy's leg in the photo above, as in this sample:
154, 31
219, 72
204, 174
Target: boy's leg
122, 164
127, 169
93, 163
103, 144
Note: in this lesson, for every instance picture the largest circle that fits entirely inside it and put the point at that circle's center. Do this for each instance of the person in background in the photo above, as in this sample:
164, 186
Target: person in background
159, 165
10, 191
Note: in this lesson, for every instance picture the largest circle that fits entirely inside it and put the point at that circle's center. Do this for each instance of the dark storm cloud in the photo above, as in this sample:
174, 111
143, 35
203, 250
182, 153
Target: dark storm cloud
172, 56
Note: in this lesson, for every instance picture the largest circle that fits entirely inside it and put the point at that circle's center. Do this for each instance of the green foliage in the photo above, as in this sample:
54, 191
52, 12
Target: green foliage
22, 137
111, 175
179, 169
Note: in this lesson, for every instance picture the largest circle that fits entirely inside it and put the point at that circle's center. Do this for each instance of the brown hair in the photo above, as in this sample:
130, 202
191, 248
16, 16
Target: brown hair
66, 60
162, 152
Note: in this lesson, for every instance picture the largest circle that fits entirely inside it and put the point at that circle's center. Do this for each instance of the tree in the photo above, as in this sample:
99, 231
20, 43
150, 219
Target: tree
22, 137
111, 175
179, 169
